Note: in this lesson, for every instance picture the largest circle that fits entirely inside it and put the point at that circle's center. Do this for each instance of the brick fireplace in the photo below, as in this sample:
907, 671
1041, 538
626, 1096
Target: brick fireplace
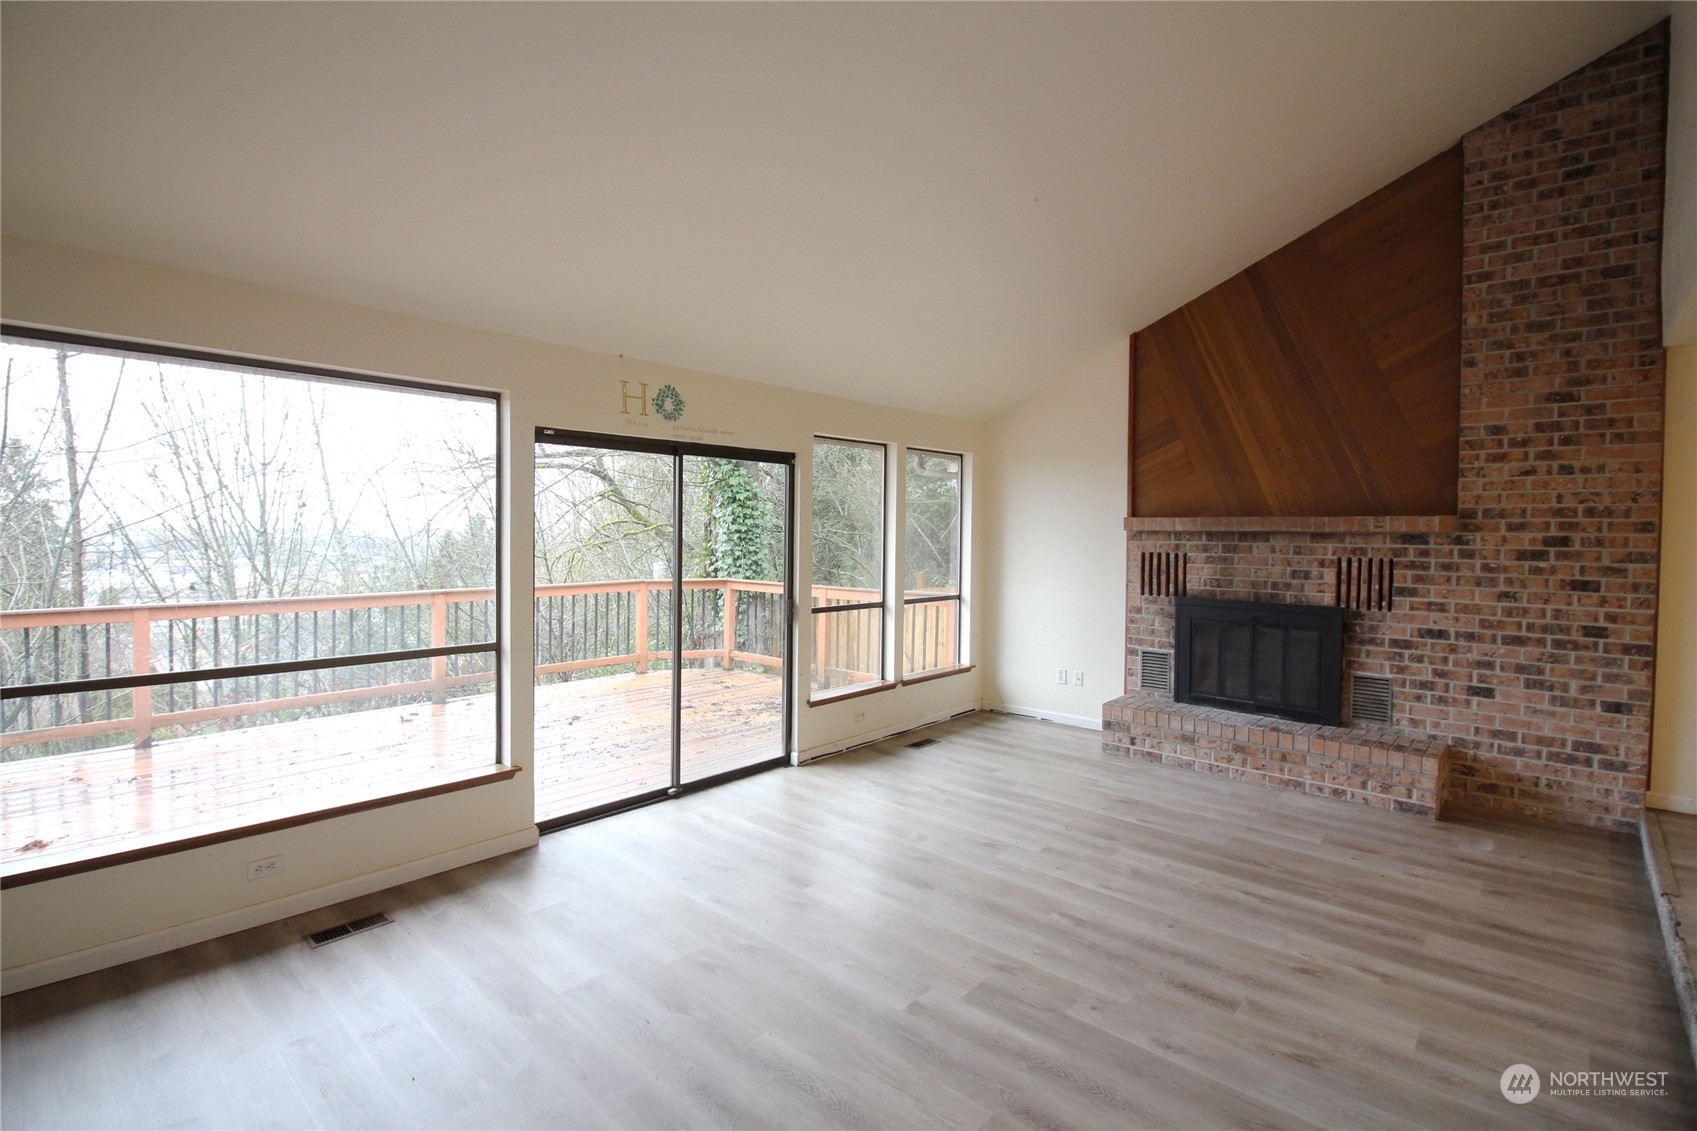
1520, 633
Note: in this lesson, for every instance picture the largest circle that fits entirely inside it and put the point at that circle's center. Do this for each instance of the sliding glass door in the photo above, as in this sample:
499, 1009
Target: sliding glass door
735, 613
662, 619
604, 710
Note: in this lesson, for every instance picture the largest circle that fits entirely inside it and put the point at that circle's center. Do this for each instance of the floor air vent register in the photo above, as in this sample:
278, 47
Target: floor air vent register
347, 930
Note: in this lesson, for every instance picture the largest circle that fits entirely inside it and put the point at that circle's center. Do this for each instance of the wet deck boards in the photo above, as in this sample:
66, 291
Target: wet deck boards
596, 740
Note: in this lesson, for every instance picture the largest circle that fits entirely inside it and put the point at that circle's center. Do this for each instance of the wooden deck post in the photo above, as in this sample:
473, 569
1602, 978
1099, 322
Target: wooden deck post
439, 637
949, 642
141, 663
730, 625
824, 631
642, 627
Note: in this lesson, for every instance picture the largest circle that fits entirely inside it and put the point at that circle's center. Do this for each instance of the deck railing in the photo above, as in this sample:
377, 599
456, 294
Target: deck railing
579, 627
848, 645
104, 641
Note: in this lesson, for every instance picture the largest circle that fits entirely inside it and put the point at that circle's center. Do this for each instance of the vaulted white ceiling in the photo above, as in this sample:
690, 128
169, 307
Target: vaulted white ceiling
930, 206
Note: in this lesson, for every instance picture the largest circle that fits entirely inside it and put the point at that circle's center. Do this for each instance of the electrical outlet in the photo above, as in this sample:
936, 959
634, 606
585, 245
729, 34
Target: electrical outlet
270, 866
1078, 679
1060, 675
860, 716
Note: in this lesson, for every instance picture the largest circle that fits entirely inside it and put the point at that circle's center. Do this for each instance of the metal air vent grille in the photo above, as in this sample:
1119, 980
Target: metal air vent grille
1154, 670
1369, 699
342, 931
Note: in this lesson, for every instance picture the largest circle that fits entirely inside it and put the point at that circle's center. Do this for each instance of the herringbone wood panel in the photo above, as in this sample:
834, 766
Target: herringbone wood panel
1322, 380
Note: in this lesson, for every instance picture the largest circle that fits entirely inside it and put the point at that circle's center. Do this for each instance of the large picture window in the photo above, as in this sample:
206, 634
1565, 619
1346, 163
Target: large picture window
931, 593
848, 566
234, 595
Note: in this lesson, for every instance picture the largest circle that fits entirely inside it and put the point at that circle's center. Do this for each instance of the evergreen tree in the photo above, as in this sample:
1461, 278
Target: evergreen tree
29, 529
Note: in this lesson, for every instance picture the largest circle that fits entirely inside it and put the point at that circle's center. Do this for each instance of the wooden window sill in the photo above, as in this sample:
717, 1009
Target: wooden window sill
17, 873
852, 693
939, 673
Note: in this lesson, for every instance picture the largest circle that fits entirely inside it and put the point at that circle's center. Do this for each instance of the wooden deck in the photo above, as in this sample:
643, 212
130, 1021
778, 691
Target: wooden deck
596, 740
603, 739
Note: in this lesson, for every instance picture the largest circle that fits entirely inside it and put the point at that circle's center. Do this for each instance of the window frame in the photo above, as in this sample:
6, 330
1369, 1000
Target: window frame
959, 595
883, 681
15, 873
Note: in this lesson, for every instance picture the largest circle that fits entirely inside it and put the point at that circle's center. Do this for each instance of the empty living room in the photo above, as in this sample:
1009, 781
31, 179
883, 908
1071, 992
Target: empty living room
917, 565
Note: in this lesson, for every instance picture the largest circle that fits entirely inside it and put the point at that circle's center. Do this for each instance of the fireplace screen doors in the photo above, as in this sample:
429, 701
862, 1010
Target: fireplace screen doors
1260, 657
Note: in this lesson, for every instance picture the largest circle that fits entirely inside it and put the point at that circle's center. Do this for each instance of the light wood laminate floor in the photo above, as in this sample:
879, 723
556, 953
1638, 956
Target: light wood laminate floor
1007, 928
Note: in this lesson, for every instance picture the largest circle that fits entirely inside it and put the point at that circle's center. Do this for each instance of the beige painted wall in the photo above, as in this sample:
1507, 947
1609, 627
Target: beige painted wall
66, 925
1673, 753
1055, 508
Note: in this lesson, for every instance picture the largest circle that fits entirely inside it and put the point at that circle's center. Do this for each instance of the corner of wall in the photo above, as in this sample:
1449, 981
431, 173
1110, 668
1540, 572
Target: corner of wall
1056, 545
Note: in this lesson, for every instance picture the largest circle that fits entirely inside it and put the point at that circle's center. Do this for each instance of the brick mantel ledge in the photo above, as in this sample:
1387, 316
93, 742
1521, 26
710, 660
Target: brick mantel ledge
1324, 524
1378, 766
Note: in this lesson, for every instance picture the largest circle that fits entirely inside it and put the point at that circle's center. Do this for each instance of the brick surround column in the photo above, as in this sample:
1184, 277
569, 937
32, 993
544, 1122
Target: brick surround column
1561, 436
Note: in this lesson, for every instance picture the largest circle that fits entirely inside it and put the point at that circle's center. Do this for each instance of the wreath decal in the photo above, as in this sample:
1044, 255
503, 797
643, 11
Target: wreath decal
669, 403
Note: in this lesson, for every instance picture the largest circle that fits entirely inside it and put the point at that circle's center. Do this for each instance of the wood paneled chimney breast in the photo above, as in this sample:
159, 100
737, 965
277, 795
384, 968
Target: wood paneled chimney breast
1323, 380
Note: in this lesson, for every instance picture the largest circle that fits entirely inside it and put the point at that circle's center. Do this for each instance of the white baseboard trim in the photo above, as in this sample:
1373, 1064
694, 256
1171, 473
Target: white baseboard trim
1672, 802
116, 953
813, 754
1084, 722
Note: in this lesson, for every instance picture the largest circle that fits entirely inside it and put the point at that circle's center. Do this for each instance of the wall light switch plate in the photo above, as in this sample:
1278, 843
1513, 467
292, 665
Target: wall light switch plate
1078, 679
1060, 675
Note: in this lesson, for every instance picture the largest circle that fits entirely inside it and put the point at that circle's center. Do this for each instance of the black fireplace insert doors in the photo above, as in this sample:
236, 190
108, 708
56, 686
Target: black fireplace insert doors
1260, 657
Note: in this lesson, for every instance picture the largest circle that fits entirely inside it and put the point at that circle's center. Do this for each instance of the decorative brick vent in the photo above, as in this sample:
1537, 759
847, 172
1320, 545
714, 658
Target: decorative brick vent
1522, 634
1365, 584
1370, 765
1161, 573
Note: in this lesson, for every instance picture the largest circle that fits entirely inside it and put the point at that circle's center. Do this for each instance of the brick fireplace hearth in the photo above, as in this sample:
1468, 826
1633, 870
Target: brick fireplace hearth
1521, 632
